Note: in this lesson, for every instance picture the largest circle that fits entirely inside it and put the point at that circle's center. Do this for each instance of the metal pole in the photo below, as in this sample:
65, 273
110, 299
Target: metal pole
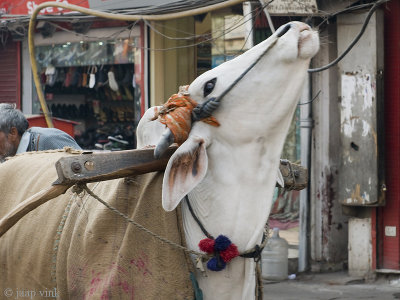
271, 25
306, 123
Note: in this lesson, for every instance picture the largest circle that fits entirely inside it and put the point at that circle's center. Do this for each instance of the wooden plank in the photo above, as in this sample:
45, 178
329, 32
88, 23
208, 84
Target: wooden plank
91, 167
41, 197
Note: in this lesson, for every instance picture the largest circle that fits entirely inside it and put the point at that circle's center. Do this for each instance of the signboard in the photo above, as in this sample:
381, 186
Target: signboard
25, 7
292, 7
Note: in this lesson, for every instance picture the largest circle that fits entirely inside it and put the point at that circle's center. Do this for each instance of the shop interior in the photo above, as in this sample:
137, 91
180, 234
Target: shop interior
93, 84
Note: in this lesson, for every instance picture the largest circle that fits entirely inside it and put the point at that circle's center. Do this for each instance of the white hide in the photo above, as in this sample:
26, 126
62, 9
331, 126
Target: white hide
232, 193
148, 132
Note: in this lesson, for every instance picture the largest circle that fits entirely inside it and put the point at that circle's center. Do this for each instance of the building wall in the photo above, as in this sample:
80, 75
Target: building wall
347, 146
172, 62
359, 169
328, 230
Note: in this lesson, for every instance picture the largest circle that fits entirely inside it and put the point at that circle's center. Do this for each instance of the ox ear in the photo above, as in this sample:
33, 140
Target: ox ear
185, 169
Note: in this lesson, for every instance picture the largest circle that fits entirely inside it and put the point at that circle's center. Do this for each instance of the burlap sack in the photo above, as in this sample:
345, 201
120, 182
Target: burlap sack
76, 248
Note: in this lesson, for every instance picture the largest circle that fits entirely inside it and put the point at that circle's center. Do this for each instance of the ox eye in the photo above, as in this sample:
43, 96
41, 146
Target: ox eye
209, 86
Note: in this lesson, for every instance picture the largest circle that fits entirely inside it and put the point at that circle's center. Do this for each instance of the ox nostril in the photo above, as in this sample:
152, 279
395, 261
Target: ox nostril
304, 27
284, 30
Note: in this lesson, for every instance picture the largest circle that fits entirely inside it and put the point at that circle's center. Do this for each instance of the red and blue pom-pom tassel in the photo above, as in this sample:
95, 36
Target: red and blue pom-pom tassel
223, 249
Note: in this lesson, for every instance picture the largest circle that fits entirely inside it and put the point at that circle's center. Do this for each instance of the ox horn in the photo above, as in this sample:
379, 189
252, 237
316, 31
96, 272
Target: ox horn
199, 112
165, 141
205, 109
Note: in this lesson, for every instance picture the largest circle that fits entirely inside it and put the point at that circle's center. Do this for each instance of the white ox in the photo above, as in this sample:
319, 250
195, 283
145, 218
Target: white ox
83, 251
229, 172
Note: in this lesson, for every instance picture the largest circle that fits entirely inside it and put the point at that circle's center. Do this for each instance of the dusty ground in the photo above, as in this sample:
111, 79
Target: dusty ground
330, 286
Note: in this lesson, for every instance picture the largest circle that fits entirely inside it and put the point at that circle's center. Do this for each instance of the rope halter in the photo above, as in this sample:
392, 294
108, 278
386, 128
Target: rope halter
181, 111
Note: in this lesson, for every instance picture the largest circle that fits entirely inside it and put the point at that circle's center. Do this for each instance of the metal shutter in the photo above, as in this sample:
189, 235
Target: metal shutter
10, 73
389, 215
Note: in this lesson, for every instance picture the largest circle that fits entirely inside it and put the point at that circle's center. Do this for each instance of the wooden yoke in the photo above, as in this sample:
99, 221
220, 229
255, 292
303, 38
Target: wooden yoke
91, 167
100, 166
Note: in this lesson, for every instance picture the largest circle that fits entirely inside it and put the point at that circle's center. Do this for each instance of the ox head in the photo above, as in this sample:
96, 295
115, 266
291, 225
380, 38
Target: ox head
252, 96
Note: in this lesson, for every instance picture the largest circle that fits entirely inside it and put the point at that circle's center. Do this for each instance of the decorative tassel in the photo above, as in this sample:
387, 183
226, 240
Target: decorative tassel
207, 245
230, 253
222, 243
213, 265
222, 248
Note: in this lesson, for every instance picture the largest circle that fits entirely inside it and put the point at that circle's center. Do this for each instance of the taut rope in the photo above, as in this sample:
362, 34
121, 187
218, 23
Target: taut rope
252, 253
79, 187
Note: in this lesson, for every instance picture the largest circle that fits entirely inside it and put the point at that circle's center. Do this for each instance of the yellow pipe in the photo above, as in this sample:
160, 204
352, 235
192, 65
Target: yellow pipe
87, 11
35, 73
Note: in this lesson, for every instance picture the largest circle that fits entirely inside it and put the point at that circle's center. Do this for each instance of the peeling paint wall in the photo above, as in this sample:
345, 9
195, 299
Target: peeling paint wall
358, 92
359, 108
359, 138
345, 148
360, 162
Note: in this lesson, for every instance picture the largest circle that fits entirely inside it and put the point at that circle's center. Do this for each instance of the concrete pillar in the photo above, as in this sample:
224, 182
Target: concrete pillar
360, 170
360, 247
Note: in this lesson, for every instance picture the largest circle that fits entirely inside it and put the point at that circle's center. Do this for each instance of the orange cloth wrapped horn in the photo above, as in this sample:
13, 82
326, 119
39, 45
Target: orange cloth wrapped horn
176, 114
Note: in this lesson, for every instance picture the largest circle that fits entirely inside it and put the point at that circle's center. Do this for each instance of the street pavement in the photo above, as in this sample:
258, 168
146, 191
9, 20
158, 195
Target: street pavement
332, 286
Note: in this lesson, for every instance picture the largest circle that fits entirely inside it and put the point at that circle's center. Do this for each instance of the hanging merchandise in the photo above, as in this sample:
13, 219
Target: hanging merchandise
51, 74
84, 79
111, 81
61, 75
100, 97
92, 78
102, 77
68, 78
75, 77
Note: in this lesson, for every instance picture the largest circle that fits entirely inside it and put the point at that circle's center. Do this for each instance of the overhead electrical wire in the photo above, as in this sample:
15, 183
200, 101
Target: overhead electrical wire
162, 17
355, 40
205, 37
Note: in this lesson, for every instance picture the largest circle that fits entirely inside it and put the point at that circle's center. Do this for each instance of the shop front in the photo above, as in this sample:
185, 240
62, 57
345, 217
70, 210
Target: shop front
91, 69
93, 79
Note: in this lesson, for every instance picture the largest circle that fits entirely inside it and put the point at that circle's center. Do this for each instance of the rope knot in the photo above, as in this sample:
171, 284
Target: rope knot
176, 114
78, 189
223, 250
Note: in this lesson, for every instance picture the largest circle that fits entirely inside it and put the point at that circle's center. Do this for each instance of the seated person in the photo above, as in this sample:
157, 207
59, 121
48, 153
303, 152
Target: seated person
15, 137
